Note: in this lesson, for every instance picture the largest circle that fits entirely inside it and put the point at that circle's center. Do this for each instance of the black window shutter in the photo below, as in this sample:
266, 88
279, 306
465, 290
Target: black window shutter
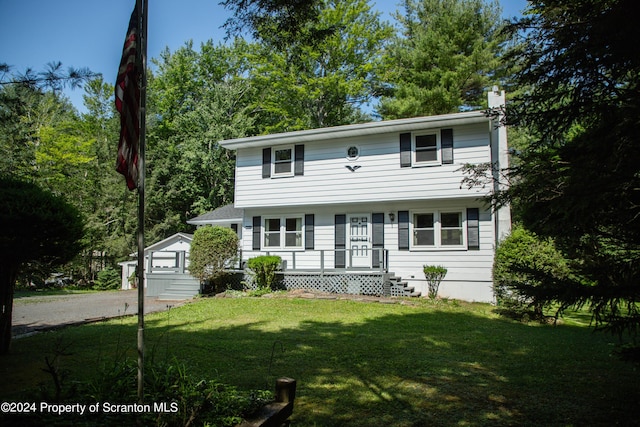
446, 143
266, 162
405, 150
309, 225
377, 238
340, 240
403, 230
299, 160
256, 232
473, 229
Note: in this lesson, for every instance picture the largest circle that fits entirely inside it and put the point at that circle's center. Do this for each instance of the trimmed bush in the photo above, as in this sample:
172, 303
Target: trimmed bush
213, 250
434, 275
524, 267
263, 269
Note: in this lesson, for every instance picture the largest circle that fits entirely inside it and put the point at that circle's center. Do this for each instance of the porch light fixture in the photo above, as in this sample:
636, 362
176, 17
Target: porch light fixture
392, 216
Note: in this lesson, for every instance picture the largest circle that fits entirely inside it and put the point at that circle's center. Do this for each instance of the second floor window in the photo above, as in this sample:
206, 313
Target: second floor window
283, 161
426, 149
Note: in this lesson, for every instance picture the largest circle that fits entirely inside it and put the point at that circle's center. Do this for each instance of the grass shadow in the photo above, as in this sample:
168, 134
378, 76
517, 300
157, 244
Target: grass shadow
369, 364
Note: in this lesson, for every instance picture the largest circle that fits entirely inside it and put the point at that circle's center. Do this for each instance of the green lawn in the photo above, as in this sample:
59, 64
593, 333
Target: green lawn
370, 364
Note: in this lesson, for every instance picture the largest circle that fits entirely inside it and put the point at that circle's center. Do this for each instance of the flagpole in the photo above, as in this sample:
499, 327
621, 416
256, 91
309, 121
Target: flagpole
141, 5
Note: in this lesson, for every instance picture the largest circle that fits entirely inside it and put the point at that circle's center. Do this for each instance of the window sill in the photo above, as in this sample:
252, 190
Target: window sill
437, 248
280, 249
426, 165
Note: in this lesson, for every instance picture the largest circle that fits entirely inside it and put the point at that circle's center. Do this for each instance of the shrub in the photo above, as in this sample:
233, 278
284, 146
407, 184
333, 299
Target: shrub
434, 275
133, 279
213, 250
107, 279
189, 400
524, 268
263, 269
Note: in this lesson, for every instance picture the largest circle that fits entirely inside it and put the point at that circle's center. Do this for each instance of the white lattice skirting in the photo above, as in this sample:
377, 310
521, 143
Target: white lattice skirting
339, 282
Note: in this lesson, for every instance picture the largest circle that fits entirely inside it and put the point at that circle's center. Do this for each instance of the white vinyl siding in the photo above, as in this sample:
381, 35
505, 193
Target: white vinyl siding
379, 177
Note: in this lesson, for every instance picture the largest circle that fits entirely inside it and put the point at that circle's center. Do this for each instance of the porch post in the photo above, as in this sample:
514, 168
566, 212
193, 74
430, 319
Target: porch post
150, 262
183, 261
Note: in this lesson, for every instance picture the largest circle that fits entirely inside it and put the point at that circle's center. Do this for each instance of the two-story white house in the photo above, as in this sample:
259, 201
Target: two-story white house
362, 208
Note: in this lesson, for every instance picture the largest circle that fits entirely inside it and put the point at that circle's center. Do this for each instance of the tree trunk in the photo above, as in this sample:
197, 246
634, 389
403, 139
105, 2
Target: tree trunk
7, 285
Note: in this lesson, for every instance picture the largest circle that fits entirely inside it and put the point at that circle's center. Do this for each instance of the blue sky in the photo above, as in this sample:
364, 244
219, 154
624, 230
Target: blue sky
90, 33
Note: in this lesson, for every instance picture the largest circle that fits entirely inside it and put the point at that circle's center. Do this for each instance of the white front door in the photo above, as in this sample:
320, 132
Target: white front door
359, 240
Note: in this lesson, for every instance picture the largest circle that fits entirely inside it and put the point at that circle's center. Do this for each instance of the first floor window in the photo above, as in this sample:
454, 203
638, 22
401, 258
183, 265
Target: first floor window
423, 229
281, 233
272, 233
438, 229
293, 233
451, 229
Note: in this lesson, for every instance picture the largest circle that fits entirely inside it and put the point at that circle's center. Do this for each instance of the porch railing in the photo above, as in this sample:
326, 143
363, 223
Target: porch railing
167, 262
323, 260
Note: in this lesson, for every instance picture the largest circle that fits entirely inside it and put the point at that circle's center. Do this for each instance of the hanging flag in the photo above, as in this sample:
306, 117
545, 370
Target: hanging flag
128, 103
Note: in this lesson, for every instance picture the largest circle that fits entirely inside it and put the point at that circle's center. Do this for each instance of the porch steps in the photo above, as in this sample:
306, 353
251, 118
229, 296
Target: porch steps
398, 288
180, 290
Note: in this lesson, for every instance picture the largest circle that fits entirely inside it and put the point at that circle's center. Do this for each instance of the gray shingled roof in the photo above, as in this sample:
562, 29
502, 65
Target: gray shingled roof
223, 213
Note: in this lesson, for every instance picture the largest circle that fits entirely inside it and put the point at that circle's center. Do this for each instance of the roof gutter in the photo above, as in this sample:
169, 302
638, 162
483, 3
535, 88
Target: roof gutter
362, 129
213, 221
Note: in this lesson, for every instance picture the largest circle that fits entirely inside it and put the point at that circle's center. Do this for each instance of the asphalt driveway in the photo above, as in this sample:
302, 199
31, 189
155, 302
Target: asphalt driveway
42, 312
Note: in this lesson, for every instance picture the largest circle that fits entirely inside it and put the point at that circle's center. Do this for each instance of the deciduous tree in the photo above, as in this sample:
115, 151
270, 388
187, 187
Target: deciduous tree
198, 99
316, 81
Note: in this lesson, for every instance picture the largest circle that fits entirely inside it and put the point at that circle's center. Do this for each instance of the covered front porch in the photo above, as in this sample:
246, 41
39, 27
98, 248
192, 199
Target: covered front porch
309, 270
